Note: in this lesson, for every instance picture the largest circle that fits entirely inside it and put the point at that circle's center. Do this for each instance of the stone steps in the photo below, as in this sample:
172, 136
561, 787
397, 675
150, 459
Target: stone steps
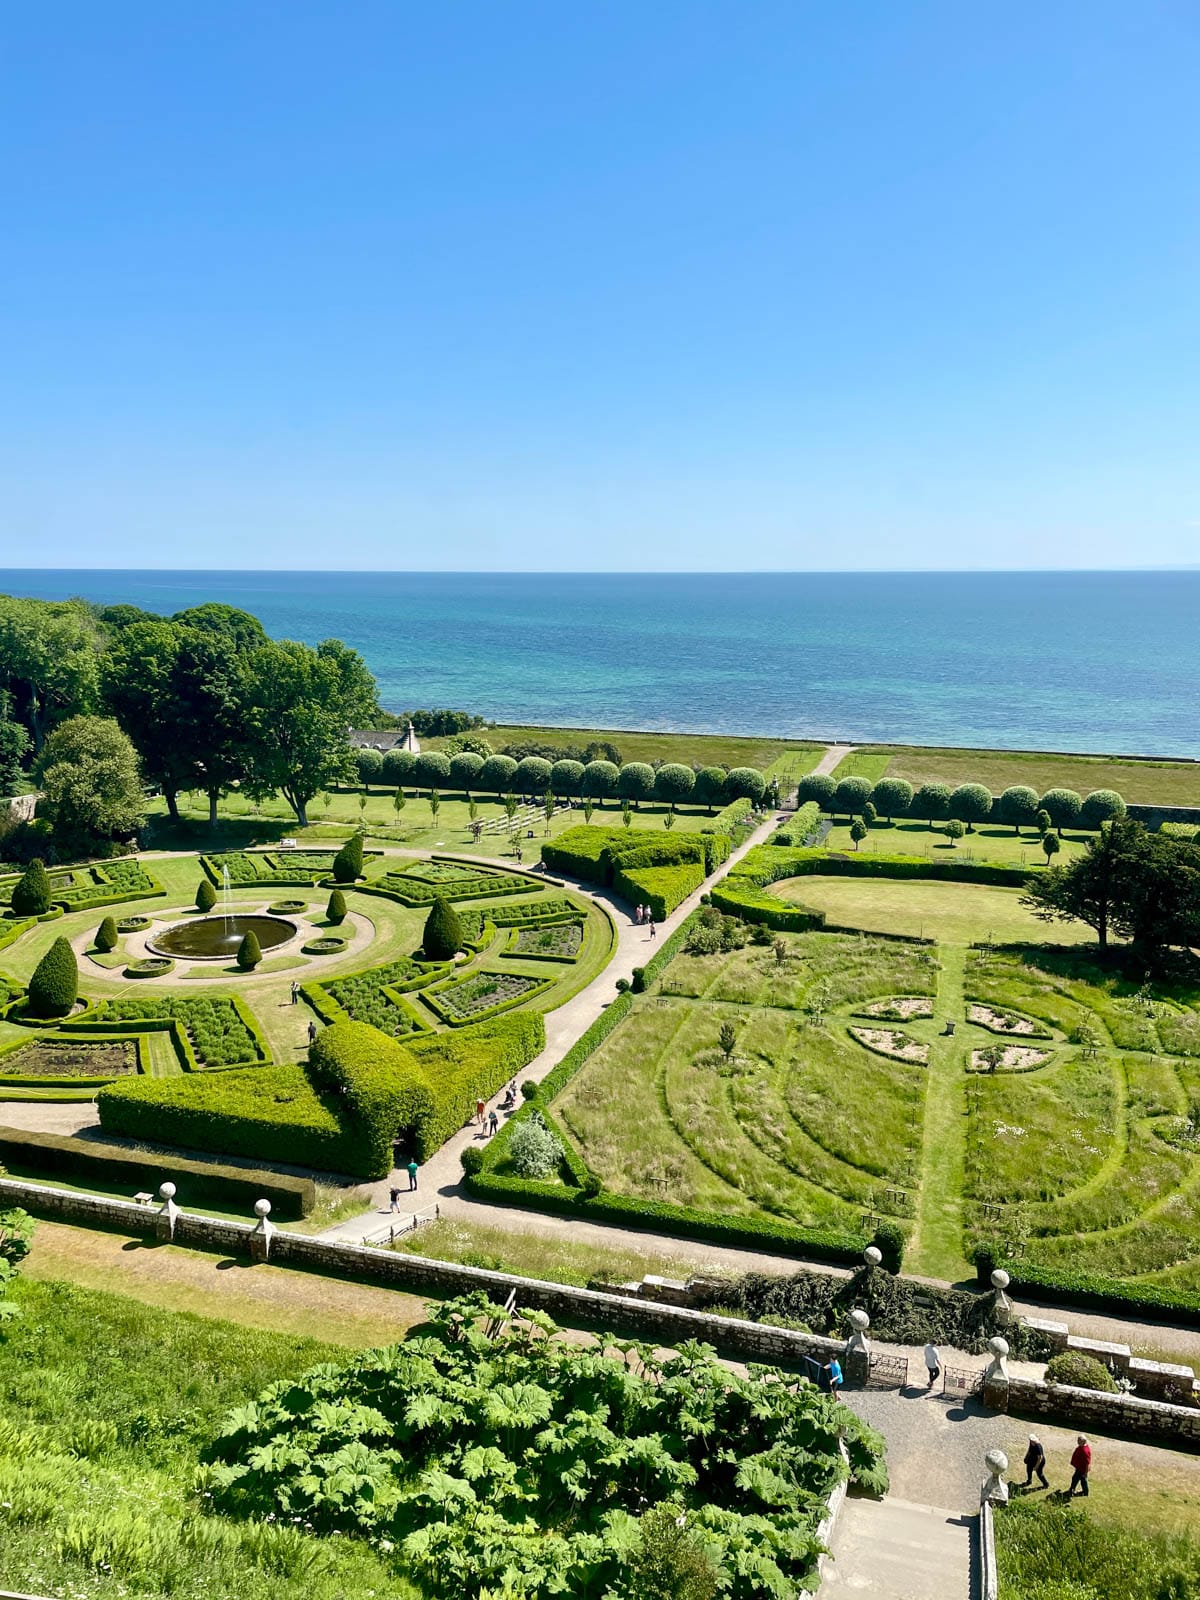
895, 1550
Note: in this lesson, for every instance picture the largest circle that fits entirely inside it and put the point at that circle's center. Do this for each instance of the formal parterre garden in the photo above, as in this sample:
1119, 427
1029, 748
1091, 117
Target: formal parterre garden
1019, 1104
153, 1035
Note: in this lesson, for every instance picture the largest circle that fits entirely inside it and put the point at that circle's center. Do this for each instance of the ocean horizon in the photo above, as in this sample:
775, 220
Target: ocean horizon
1090, 662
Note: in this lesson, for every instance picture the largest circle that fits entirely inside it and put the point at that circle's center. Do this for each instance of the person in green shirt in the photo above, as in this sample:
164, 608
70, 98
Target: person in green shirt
413, 1169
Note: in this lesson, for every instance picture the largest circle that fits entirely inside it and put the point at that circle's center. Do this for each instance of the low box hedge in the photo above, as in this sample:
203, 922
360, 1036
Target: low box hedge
197, 1182
11, 929
735, 815
1091, 1291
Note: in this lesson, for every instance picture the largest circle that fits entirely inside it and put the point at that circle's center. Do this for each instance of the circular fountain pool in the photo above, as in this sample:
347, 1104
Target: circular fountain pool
218, 938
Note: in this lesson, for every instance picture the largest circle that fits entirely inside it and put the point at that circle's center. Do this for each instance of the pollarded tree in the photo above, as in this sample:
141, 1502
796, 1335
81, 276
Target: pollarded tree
970, 803
674, 783
636, 782
498, 774
206, 895
91, 784
1064, 806
1018, 805
745, 783
465, 770
954, 830
600, 779
348, 863
398, 768
106, 935
31, 892
709, 789
566, 778
432, 770
533, 775
1101, 806
55, 982
851, 795
369, 765
249, 951
443, 937
932, 802
818, 786
892, 797
858, 831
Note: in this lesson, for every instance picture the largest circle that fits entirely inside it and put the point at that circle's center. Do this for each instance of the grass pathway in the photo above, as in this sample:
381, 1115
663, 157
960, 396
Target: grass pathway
936, 1249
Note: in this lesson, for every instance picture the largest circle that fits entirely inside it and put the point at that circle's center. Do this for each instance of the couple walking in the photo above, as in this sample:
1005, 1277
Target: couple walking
1081, 1464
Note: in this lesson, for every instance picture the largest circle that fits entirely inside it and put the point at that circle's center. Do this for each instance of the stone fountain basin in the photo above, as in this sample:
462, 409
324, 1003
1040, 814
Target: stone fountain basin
217, 938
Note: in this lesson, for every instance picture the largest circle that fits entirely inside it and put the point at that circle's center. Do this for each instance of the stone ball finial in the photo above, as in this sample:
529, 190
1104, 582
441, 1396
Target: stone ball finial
167, 1191
1000, 1279
873, 1256
998, 1346
996, 1462
859, 1320
262, 1208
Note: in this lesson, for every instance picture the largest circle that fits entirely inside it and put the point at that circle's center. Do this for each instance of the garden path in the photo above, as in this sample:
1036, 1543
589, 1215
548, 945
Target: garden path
835, 754
937, 1238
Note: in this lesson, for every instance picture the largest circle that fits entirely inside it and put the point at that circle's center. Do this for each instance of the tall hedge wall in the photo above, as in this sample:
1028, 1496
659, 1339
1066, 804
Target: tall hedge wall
655, 869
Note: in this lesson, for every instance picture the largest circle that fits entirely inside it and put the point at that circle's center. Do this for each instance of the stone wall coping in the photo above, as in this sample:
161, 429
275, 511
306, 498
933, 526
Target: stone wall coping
1131, 1404
1099, 1347
989, 1576
1166, 1369
1045, 1325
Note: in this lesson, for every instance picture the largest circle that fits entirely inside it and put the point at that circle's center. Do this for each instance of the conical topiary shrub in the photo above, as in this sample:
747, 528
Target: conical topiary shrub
55, 982
106, 935
443, 932
31, 893
249, 952
335, 911
206, 896
348, 863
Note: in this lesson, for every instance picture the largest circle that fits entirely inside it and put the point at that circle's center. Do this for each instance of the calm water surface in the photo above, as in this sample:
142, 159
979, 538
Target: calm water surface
1067, 661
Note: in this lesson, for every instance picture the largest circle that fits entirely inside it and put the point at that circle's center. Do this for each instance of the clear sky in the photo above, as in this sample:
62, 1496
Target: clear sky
624, 285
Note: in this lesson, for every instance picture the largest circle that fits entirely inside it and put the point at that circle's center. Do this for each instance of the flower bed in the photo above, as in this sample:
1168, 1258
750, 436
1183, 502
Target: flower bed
287, 908
898, 1008
482, 993
1009, 1058
220, 1032
1008, 1023
892, 1042
555, 941
150, 967
326, 946
132, 924
66, 1059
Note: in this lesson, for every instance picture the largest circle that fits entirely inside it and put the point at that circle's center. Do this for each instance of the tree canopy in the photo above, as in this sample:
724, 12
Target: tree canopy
91, 785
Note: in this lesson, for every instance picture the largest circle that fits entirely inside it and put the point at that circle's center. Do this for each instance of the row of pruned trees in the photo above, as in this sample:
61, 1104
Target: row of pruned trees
970, 803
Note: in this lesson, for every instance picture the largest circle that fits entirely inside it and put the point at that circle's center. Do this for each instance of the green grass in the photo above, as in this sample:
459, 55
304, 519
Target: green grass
105, 1406
1164, 783
709, 749
1047, 1550
988, 842
953, 912
862, 764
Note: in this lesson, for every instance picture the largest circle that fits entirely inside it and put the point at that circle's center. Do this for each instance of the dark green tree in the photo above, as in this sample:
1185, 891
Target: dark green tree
745, 783
369, 766
249, 951
48, 656
106, 935
1101, 806
206, 896
14, 747
892, 797
1018, 806
465, 768
432, 771
443, 937
31, 892
348, 863
636, 782
818, 786
600, 780
497, 775
335, 911
932, 802
238, 629
1051, 844
91, 785
1064, 806
851, 795
954, 830
709, 789
869, 813
858, 831
55, 982
566, 778
532, 775
398, 768
674, 783
970, 803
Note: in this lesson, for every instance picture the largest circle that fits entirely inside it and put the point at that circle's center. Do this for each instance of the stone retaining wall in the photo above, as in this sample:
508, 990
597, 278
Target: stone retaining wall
1093, 1411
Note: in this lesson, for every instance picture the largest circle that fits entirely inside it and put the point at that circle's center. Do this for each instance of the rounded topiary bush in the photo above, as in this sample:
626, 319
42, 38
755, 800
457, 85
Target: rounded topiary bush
106, 935
639, 980
55, 982
206, 895
348, 863
1080, 1371
472, 1160
335, 911
31, 892
149, 967
443, 937
249, 952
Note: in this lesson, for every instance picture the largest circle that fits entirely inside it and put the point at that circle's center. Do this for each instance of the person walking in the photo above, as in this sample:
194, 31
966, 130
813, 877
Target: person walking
1035, 1461
834, 1369
1081, 1465
413, 1169
479, 1110
394, 1196
653, 930
493, 1124
295, 991
312, 1032
933, 1363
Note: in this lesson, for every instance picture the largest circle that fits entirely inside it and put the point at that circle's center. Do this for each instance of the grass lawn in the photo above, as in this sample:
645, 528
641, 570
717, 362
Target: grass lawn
709, 749
1164, 783
988, 842
953, 913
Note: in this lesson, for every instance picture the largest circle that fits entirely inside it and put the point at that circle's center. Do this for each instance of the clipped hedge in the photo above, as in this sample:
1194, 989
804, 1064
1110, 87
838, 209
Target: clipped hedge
472, 1063
658, 870
381, 1086
660, 888
198, 1182
805, 822
11, 931
733, 816
1090, 1291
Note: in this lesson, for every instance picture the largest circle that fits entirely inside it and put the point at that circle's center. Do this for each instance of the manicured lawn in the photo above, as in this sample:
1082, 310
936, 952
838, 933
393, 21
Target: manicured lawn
954, 913
988, 842
1165, 783
709, 749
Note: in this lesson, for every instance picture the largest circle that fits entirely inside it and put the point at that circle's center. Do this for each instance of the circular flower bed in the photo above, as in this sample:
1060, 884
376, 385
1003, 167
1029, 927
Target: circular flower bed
327, 946
132, 924
288, 907
149, 967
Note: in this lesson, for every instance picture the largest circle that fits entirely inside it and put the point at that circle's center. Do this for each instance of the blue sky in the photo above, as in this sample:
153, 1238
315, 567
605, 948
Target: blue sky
583, 286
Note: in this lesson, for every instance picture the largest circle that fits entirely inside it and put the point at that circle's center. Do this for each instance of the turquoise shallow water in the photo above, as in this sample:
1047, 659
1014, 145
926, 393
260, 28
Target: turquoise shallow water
1065, 661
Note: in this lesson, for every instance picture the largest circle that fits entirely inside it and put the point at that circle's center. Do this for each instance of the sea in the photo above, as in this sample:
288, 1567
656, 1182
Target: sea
1100, 662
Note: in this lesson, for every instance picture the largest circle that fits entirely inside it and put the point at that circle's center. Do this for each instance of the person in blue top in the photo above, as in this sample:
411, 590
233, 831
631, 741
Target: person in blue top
834, 1369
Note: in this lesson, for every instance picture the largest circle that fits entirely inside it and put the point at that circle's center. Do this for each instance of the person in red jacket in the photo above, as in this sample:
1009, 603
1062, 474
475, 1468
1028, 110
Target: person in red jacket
1081, 1465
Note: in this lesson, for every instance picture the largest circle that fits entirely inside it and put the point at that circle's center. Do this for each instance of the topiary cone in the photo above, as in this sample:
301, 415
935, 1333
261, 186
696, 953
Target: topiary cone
444, 936
335, 911
206, 896
55, 982
249, 952
106, 935
348, 863
31, 893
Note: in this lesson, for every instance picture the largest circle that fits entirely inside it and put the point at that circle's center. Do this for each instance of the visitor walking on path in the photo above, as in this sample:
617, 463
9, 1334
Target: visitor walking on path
394, 1196
834, 1369
493, 1123
312, 1032
413, 1169
1081, 1465
295, 992
479, 1110
1035, 1461
653, 929
933, 1363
